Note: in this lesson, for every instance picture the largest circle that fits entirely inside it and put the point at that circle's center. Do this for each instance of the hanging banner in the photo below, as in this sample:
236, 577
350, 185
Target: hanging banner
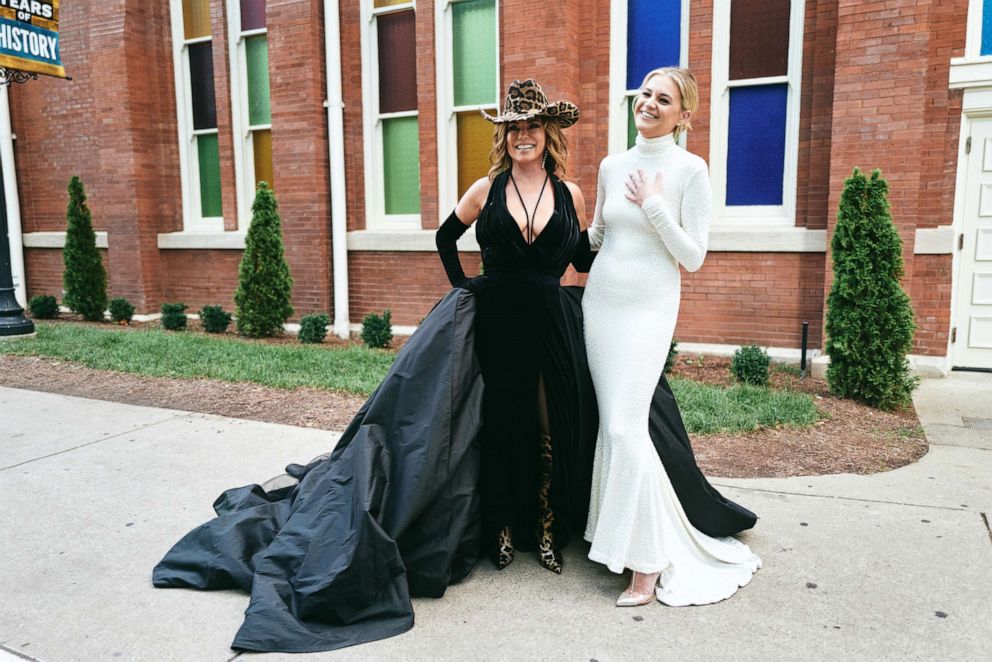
29, 36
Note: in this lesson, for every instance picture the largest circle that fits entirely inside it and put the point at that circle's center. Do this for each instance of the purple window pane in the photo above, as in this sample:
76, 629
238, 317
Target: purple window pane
201, 82
252, 14
397, 62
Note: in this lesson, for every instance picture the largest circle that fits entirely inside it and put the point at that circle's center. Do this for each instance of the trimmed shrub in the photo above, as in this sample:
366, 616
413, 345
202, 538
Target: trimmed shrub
377, 330
869, 323
750, 365
313, 328
174, 316
264, 284
673, 353
214, 319
84, 278
121, 310
43, 307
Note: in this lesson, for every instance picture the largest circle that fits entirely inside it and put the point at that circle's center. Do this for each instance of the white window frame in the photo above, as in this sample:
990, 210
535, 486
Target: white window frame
619, 95
189, 160
973, 36
784, 214
241, 127
376, 217
447, 143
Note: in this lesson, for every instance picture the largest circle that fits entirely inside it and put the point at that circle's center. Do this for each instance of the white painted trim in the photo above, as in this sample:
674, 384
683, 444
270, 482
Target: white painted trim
372, 126
338, 184
934, 241
784, 214
204, 240
736, 238
447, 141
13, 204
970, 72
189, 162
398, 330
56, 239
973, 36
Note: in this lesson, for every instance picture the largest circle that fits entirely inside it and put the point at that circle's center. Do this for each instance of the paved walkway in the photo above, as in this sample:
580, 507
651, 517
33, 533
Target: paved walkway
891, 566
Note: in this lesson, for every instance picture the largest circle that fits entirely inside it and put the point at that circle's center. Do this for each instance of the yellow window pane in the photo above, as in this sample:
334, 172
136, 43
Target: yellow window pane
262, 144
196, 18
475, 140
389, 3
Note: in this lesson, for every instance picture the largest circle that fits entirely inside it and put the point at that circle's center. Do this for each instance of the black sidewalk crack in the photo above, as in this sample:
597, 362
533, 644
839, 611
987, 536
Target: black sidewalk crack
985, 518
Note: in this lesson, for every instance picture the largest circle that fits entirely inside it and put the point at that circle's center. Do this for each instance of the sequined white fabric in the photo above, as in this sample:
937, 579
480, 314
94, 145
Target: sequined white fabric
630, 307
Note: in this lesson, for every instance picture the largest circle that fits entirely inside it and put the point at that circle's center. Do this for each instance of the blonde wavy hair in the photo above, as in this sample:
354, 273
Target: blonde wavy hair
555, 144
688, 89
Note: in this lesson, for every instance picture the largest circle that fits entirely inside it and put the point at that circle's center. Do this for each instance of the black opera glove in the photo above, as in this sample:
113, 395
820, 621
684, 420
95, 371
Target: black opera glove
584, 255
446, 239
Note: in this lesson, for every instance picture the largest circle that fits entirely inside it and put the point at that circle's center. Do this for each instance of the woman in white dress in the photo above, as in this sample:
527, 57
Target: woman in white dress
653, 210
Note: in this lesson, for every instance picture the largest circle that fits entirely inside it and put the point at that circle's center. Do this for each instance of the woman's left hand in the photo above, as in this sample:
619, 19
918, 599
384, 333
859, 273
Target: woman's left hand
640, 188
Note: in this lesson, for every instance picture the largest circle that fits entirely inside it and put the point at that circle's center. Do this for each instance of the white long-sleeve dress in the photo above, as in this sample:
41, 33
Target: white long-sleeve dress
630, 308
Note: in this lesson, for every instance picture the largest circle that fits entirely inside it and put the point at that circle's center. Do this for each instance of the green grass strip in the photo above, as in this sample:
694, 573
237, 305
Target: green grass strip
705, 408
166, 354
708, 409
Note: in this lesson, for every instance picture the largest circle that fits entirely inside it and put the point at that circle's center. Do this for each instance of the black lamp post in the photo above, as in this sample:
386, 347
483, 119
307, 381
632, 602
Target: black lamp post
12, 320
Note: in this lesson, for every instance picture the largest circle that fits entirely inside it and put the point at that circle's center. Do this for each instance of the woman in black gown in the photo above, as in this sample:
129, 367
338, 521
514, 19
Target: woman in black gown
528, 228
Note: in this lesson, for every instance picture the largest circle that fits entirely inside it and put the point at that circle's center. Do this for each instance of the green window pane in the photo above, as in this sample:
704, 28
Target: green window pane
262, 155
631, 127
257, 56
401, 165
209, 156
475, 141
473, 28
196, 18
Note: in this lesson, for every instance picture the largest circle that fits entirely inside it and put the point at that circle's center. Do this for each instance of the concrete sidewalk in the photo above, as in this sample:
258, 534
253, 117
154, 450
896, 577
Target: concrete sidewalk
92, 494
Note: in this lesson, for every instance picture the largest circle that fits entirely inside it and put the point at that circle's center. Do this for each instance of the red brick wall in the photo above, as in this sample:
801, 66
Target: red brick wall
931, 299
409, 284
201, 278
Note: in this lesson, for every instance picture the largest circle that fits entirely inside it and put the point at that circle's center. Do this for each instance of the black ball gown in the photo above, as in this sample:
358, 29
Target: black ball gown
332, 553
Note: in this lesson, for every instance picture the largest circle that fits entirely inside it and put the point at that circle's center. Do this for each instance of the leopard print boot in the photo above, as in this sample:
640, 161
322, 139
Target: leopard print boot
503, 551
547, 553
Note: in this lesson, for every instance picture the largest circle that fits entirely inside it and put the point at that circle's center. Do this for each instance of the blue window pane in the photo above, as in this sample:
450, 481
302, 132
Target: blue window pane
987, 27
654, 34
756, 145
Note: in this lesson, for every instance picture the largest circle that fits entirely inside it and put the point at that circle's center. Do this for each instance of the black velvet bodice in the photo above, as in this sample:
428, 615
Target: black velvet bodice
504, 248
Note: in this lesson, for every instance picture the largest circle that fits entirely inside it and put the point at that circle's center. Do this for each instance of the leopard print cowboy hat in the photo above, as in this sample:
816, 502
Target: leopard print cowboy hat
526, 99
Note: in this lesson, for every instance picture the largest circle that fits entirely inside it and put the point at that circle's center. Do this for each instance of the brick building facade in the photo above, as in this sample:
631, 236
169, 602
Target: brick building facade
853, 83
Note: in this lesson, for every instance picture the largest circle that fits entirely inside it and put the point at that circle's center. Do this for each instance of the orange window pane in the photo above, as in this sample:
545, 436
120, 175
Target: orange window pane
262, 146
389, 3
475, 140
196, 18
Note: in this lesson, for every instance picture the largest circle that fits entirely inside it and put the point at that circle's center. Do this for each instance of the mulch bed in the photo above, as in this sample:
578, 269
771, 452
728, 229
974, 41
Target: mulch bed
852, 438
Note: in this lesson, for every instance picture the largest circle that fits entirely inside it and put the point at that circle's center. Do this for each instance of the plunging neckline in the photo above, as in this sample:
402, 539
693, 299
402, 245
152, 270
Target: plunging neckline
519, 232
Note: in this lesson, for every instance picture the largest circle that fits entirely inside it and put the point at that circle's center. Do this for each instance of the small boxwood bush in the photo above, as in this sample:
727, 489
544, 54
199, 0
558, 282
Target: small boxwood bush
313, 328
121, 310
174, 316
673, 353
214, 319
750, 365
377, 330
43, 307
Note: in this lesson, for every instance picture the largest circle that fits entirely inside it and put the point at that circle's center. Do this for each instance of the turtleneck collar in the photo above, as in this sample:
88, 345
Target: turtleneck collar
654, 145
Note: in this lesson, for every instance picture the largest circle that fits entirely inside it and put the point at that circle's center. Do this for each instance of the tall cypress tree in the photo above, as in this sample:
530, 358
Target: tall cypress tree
264, 283
84, 278
869, 318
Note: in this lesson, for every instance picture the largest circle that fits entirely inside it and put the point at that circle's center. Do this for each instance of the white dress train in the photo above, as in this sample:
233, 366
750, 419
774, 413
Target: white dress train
630, 307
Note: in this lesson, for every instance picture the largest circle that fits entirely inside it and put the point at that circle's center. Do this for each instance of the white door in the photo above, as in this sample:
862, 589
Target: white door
972, 347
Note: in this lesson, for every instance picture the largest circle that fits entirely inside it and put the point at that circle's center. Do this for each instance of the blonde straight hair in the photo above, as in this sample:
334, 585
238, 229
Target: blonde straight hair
688, 89
556, 145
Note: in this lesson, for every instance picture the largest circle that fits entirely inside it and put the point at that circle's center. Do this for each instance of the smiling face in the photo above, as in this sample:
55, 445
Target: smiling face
525, 140
658, 107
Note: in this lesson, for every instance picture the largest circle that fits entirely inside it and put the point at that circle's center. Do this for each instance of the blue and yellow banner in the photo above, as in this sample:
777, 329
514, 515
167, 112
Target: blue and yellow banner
29, 36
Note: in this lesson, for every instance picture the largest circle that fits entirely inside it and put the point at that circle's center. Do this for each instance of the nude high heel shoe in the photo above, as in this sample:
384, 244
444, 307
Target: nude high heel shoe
629, 598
